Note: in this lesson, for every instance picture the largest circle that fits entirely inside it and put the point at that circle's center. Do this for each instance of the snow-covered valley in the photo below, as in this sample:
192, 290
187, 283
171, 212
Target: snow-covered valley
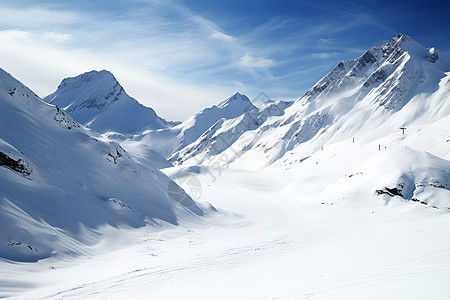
341, 194
269, 240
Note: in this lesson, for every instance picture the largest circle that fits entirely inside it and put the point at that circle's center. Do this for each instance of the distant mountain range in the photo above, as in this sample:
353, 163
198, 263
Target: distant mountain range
398, 84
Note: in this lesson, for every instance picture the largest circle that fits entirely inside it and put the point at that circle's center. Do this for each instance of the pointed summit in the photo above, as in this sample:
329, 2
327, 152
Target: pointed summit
392, 72
97, 100
94, 90
400, 44
229, 108
237, 101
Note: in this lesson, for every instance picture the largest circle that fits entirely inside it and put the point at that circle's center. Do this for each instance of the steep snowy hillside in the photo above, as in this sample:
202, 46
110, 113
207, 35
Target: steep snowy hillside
400, 84
169, 140
62, 185
96, 100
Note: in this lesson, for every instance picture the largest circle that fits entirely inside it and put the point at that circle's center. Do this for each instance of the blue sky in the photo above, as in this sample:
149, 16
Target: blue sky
179, 56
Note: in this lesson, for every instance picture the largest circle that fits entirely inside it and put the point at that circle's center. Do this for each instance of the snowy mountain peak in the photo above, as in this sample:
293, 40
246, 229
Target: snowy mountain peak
103, 75
392, 72
92, 90
402, 39
400, 44
97, 100
237, 101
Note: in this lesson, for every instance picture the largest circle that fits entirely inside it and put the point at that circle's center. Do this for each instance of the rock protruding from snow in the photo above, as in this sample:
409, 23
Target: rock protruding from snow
97, 100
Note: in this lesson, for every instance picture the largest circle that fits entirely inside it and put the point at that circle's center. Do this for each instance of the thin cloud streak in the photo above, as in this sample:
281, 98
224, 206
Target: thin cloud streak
249, 61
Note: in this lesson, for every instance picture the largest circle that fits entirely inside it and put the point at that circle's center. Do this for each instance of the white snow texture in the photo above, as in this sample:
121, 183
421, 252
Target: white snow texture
341, 194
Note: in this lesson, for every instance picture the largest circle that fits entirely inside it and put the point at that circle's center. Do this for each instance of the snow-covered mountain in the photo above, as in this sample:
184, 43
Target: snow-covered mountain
363, 101
169, 140
62, 184
343, 193
96, 100
401, 81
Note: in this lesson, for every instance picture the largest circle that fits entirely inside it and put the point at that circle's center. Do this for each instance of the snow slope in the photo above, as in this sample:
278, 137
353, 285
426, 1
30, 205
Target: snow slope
61, 183
96, 100
282, 235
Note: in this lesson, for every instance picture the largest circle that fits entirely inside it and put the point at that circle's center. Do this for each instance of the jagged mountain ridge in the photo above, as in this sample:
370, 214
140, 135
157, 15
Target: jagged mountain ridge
355, 98
225, 132
97, 100
374, 67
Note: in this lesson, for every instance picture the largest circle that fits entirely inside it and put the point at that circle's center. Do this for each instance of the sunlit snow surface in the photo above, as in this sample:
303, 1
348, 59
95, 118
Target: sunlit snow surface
325, 198
276, 236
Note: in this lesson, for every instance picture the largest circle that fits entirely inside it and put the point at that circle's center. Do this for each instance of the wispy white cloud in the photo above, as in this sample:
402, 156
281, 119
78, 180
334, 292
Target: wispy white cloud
323, 54
57, 36
252, 62
222, 36
324, 41
39, 15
